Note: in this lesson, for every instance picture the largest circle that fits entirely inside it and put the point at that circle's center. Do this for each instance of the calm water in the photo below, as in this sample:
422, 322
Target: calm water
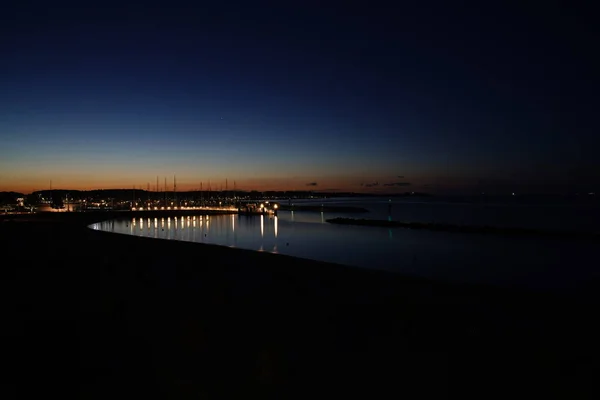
507, 212
532, 262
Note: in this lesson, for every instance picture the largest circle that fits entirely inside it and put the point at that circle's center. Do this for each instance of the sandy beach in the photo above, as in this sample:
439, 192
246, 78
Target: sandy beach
100, 314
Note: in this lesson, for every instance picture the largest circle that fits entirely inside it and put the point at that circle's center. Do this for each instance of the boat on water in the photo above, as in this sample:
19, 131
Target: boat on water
257, 209
246, 212
58, 206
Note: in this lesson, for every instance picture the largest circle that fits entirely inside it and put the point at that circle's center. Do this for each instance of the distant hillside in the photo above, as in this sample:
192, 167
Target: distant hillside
129, 194
10, 197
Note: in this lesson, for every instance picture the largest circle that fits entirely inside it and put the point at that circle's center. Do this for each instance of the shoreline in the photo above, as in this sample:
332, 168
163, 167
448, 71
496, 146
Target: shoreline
112, 214
177, 318
100, 216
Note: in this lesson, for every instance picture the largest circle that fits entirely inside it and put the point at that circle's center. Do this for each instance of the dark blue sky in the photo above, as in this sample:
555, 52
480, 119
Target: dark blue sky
453, 97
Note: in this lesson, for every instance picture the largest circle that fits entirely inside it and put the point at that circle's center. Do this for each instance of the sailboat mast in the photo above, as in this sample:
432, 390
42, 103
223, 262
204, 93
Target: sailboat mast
234, 193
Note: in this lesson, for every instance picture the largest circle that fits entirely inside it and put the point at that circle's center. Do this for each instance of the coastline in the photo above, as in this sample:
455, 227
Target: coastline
211, 320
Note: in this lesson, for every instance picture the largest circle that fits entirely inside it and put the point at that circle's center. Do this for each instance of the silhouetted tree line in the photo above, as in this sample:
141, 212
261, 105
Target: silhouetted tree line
131, 194
10, 197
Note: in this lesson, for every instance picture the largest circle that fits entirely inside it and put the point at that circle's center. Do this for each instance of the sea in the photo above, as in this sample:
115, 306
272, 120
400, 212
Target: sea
529, 262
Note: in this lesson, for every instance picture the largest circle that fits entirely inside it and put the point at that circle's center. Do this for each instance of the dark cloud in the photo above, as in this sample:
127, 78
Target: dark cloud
400, 177
311, 184
397, 184
372, 184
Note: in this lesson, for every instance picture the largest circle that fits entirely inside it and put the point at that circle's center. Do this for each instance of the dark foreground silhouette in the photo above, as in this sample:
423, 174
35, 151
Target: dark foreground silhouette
463, 228
99, 315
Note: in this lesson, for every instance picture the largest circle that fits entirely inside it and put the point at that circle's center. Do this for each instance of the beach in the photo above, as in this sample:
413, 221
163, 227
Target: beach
100, 314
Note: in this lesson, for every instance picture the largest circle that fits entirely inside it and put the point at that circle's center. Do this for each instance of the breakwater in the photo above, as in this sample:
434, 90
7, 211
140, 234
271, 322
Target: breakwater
464, 228
322, 208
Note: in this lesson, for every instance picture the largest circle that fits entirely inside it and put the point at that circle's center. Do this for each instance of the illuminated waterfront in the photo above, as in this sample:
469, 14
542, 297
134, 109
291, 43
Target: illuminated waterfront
546, 263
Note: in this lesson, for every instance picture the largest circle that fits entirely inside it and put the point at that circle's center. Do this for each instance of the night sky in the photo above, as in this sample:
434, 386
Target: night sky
439, 97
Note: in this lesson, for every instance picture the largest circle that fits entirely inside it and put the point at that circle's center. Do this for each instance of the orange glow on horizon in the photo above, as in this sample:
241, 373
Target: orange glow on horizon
86, 176
188, 183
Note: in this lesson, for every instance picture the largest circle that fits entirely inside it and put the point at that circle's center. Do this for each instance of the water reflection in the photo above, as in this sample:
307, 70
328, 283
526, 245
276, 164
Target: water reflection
441, 255
262, 226
274, 234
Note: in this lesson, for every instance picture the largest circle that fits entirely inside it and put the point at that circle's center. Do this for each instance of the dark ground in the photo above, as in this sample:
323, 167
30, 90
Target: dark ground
99, 315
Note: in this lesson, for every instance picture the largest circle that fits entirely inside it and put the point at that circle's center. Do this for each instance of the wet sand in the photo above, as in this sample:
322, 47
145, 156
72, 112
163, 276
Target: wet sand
96, 314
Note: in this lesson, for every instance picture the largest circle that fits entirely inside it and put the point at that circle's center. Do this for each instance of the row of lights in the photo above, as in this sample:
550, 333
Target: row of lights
166, 208
263, 206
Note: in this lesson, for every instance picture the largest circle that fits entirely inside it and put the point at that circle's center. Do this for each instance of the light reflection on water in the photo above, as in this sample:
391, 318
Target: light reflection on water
450, 256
